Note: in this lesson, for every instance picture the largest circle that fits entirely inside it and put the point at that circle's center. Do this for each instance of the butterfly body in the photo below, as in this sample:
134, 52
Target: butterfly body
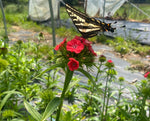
86, 25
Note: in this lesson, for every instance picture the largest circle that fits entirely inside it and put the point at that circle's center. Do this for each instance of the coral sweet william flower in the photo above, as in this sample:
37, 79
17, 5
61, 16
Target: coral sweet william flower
147, 74
73, 64
75, 46
60, 45
84, 41
79, 38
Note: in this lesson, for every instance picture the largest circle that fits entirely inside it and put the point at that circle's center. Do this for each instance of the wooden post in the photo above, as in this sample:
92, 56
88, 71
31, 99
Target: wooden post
52, 23
5, 25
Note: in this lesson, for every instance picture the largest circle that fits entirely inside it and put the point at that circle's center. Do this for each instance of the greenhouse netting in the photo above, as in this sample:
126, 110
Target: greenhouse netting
39, 9
96, 7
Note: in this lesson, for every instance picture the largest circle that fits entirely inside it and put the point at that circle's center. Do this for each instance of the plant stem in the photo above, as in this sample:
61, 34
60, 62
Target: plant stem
119, 96
98, 72
149, 111
107, 105
104, 98
68, 78
53, 24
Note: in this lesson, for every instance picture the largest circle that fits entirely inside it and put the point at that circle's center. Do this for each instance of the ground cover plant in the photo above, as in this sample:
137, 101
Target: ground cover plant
35, 84
31, 85
128, 12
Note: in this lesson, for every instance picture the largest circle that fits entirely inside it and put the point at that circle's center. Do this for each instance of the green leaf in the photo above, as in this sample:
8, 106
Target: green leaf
9, 93
127, 115
100, 91
51, 107
34, 113
48, 69
72, 84
17, 119
12, 73
97, 98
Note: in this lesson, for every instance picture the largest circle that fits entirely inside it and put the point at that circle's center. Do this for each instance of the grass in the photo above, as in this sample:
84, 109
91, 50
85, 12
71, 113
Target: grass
25, 79
18, 17
15, 15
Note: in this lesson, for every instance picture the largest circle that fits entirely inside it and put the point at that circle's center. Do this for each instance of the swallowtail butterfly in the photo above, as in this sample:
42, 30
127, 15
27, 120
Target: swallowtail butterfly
86, 25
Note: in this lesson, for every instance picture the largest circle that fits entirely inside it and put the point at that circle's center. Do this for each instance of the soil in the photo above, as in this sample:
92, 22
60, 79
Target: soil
27, 35
138, 62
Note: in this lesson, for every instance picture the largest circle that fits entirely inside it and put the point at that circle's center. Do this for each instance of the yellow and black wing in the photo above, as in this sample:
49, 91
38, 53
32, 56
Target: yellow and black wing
87, 26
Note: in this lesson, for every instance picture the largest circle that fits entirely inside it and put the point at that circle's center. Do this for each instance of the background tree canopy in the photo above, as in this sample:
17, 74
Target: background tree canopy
140, 1
6, 2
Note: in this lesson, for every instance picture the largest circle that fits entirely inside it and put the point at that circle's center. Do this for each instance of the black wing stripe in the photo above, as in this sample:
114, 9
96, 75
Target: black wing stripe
87, 26
89, 34
76, 11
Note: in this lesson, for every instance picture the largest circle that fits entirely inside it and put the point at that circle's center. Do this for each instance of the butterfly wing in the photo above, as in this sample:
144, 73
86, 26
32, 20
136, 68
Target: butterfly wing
82, 22
87, 26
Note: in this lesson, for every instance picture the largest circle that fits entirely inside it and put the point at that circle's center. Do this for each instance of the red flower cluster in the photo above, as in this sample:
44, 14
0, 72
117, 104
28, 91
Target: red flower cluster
76, 52
147, 74
75, 45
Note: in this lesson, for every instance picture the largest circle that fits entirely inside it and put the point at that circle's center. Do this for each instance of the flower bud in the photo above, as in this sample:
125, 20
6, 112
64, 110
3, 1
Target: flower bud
121, 79
41, 34
19, 42
102, 58
109, 64
3, 51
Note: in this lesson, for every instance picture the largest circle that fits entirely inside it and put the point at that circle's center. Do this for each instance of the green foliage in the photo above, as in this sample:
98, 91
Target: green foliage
35, 114
64, 15
13, 9
9, 114
15, 2
28, 80
102, 38
128, 46
38, 87
63, 32
128, 12
3, 64
74, 2
140, 1
122, 49
46, 96
91, 105
70, 95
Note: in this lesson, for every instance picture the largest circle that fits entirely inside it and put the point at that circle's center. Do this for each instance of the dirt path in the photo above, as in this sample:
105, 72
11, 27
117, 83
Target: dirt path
140, 63
27, 35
